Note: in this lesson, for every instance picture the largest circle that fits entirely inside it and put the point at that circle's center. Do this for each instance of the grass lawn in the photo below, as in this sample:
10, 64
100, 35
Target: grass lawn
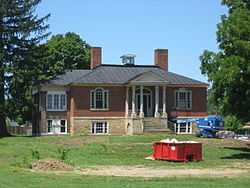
90, 151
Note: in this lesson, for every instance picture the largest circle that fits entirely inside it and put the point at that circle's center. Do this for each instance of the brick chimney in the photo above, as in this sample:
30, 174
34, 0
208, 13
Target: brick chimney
95, 57
161, 58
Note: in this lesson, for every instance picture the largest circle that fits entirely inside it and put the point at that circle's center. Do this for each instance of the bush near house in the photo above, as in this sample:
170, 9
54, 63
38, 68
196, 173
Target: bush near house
232, 123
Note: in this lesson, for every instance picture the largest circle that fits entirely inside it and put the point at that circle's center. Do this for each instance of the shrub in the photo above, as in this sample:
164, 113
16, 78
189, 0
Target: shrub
63, 153
35, 154
232, 123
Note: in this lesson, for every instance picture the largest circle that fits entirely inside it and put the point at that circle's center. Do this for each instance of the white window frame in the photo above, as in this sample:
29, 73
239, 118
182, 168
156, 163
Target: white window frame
53, 129
187, 127
60, 93
94, 123
177, 99
104, 100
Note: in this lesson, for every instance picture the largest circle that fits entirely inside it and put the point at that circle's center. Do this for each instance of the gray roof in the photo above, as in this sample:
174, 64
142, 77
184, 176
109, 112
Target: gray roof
68, 77
119, 74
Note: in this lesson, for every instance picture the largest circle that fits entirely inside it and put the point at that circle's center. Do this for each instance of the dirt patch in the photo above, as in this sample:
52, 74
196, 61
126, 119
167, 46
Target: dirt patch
159, 172
223, 142
241, 165
55, 166
51, 165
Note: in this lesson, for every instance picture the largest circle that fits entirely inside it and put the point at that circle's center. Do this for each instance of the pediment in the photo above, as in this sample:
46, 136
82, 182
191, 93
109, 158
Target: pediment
148, 77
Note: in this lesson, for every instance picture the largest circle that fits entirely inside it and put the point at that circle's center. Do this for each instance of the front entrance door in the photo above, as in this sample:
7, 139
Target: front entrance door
147, 104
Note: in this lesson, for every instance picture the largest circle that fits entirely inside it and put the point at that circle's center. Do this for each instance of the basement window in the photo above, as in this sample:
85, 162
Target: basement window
183, 127
57, 126
99, 128
63, 126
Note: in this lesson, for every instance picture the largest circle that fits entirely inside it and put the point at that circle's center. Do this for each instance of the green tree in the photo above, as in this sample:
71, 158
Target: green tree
52, 58
228, 70
211, 107
232, 123
21, 32
67, 52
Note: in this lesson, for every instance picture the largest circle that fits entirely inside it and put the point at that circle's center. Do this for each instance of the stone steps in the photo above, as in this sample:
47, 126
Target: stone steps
154, 125
156, 130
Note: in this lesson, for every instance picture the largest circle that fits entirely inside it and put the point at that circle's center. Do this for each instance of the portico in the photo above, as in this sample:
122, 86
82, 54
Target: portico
146, 101
146, 96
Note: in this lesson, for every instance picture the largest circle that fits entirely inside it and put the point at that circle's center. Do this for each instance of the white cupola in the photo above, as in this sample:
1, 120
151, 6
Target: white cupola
128, 59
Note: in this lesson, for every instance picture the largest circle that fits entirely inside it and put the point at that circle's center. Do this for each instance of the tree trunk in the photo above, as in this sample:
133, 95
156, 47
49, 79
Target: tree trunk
3, 126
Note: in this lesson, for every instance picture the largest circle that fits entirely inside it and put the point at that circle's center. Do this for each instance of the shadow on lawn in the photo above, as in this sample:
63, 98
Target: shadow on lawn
25, 136
6, 135
245, 153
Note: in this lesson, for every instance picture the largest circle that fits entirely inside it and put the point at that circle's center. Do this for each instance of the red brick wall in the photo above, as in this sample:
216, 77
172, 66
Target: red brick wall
199, 102
81, 97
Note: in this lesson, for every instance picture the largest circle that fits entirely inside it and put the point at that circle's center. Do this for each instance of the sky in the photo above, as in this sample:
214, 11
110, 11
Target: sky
185, 27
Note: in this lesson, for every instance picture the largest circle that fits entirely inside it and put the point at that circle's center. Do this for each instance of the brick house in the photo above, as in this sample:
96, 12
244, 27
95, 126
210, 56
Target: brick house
117, 99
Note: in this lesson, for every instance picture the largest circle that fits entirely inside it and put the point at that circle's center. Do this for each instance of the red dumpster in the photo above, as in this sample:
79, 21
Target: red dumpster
178, 151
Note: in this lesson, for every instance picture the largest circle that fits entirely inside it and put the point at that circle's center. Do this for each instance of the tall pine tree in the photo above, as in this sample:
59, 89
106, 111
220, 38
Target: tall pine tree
21, 32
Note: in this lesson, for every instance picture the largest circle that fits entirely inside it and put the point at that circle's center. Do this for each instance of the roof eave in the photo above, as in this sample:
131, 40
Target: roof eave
189, 85
96, 84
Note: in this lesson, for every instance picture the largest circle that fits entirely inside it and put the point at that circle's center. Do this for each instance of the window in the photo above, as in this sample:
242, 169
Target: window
183, 127
49, 126
57, 126
56, 101
183, 99
62, 101
99, 99
63, 126
99, 128
50, 104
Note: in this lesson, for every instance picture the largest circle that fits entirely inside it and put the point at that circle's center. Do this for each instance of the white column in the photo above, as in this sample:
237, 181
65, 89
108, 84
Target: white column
157, 114
191, 127
141, 102
126, 102
133, 102
164, 113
